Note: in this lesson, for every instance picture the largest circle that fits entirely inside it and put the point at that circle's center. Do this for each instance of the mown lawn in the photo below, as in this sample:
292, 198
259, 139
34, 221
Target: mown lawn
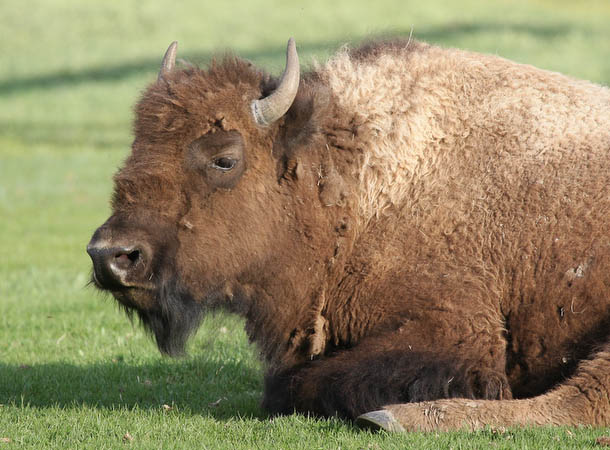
74, 373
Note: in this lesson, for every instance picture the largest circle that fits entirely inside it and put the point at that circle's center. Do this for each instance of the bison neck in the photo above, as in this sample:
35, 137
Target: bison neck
302, 308
284, 304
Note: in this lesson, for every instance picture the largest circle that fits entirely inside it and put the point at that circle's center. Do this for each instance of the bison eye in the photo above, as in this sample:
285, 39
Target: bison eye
218, 157
223, 163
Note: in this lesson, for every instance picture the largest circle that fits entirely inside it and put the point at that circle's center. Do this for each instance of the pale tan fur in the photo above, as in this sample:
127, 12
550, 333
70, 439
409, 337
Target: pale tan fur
410, 107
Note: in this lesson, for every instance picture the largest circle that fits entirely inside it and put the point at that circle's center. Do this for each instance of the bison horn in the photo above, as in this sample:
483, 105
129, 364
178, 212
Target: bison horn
267, 110
169, 60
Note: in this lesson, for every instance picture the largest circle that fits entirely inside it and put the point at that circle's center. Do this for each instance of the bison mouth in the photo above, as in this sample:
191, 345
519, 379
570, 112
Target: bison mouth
173, 317
137, 265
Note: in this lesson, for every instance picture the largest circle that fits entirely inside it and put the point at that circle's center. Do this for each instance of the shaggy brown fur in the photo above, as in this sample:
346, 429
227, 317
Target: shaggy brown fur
423, 224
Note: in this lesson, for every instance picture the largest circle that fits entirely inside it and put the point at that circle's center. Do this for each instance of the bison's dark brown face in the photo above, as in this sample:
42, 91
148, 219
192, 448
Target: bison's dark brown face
199, 212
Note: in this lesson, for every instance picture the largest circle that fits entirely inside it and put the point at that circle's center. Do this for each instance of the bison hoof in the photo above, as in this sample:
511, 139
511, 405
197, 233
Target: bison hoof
379, 420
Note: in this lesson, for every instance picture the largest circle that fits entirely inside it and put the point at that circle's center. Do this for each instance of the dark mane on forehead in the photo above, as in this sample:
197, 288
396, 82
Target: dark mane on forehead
226, 70
223, 89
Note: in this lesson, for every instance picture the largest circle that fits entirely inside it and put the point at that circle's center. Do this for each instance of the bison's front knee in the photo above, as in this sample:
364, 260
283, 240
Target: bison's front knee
488, 384
279, 392
450, 379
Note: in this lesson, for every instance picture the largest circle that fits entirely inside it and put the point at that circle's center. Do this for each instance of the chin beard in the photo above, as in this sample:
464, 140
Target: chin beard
175, 317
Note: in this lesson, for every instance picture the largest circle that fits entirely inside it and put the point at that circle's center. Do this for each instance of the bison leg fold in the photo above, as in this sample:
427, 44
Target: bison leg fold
584, 399
374, 374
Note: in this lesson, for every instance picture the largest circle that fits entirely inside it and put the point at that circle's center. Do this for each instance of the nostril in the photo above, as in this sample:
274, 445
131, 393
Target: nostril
134, 255
125, 259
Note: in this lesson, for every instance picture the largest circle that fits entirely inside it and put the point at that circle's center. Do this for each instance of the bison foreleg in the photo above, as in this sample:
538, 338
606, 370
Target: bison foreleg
370, 375
584, 399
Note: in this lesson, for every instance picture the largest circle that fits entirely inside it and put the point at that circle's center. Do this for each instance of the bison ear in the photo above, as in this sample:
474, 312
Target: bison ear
299, 128
297, 132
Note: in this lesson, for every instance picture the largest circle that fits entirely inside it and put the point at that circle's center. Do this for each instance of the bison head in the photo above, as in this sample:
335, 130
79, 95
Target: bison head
206, 208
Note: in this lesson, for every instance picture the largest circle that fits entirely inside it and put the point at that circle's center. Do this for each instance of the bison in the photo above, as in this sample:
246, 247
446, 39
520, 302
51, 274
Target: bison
417, 237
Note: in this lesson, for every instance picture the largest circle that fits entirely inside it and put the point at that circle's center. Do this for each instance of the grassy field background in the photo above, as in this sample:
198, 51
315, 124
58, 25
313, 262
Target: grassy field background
74, 373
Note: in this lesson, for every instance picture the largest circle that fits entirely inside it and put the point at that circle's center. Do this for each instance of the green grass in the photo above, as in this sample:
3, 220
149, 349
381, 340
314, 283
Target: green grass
74, 373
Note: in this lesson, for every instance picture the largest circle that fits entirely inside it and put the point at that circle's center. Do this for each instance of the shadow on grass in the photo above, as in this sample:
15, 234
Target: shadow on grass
85, 133
221, 390
79, 135
111, 73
